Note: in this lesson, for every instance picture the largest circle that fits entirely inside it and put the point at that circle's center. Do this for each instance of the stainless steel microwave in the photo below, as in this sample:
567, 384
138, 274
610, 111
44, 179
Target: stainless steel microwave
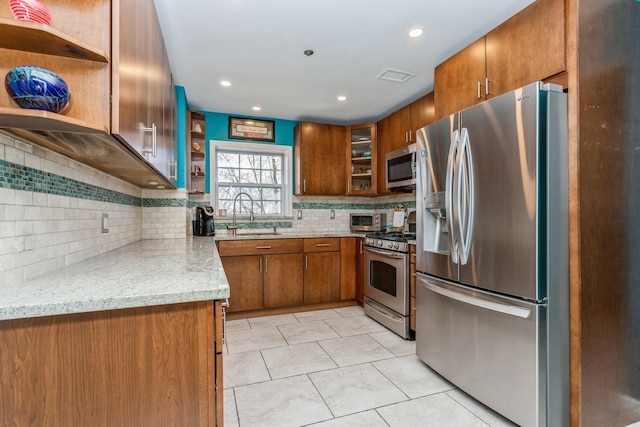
401, 168
368, 222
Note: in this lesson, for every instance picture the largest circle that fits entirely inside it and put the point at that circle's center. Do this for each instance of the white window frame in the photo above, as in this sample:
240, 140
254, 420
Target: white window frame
248, 147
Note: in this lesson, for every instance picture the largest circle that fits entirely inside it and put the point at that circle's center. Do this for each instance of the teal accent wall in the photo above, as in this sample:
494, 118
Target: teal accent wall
181, 135
218, 129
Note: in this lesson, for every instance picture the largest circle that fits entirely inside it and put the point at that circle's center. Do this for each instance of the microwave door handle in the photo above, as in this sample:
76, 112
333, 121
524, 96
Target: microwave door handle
450, 185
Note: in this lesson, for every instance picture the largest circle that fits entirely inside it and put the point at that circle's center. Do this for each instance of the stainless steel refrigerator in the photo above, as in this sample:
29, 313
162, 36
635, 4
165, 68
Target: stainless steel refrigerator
492, 253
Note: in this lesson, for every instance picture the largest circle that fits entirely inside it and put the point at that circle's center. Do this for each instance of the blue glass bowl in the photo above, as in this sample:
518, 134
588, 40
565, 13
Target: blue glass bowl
37, 89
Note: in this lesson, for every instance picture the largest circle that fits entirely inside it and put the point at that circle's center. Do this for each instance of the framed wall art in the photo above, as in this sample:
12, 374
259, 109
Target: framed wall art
254, 129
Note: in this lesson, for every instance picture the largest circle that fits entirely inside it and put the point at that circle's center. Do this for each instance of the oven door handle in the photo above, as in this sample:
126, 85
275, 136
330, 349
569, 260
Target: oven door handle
386, 254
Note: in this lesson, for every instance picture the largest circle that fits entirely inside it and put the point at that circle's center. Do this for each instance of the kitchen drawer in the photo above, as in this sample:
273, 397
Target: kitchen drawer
259, 247
329, 244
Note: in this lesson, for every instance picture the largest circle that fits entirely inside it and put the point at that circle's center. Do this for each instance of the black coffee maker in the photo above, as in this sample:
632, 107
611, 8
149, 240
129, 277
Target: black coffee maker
203, 222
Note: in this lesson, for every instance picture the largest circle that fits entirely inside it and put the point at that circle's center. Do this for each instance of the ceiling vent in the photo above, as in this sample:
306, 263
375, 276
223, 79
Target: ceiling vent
397, 76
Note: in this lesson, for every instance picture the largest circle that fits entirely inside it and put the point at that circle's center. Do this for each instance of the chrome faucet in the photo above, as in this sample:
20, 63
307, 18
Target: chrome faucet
233, 226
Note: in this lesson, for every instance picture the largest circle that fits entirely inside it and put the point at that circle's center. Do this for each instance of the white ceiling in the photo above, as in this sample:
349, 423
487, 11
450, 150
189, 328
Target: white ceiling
258, 46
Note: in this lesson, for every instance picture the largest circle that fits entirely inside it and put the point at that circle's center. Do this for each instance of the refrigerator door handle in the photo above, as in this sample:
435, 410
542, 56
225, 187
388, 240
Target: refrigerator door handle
510, 310
465, 197
450, 185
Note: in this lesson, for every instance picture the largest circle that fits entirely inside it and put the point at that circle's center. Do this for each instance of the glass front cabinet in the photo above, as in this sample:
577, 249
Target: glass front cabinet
361, 159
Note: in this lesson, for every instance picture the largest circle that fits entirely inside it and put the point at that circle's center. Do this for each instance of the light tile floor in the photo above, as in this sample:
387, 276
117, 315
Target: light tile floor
336, 368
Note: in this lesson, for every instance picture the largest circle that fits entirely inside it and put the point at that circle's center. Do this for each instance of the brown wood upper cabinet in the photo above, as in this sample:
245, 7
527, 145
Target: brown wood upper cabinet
319, 159
398, 130
95, 55
529, 46
142, 102
361, 146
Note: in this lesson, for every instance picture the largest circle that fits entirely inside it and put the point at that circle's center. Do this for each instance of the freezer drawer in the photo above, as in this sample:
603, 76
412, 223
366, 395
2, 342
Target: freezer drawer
493, 348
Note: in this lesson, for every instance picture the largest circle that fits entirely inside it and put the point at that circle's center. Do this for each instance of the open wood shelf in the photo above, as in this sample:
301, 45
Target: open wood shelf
39, 38
45, 121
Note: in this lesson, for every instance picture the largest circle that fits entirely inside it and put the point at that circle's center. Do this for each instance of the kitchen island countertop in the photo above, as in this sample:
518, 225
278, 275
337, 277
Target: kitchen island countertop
145, 273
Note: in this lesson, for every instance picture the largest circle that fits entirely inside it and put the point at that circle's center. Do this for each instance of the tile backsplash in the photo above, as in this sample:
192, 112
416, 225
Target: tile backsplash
51, 211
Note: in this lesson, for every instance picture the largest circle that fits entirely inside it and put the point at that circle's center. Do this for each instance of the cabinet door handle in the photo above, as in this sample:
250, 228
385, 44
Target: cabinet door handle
306, 263
266, 265
263, 247
154, 140
410, 135
479, 86
361, 247
323, 245
260, 264
486, 86
304, 185
173, 166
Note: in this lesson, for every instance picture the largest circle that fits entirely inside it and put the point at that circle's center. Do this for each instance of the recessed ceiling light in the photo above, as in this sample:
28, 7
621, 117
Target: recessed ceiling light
342, 98
256, 108
225, 83
153, 182
414, 33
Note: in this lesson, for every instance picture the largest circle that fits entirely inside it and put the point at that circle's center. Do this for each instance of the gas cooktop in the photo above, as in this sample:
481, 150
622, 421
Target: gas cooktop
396, 236
391, 240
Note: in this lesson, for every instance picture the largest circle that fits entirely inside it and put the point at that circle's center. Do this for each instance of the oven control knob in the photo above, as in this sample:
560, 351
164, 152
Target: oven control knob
396, 245
390, 245
380, 243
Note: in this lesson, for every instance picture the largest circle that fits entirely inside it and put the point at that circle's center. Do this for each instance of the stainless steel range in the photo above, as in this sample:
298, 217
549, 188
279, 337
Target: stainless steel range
386, 287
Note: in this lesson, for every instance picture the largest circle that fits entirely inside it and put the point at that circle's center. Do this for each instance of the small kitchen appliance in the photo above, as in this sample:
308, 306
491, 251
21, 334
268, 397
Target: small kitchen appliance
203, 224
401, 168
368, 222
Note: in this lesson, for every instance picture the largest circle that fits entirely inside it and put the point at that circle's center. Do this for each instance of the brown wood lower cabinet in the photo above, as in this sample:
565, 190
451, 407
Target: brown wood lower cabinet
360, 270
244, 275
321, 277
148, 366
321, 270
282, 280
279, 273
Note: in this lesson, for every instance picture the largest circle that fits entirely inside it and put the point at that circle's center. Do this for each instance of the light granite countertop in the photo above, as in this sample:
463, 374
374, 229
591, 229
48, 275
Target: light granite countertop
248, 235
145, 273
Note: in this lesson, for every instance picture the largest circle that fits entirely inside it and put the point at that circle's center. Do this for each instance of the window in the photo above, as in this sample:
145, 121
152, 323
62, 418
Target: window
255, 170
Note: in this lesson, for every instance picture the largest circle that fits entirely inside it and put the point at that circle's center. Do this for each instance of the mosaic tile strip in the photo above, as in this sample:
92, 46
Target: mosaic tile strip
19, 177
23, 178
407, 204
164, 203
254, 225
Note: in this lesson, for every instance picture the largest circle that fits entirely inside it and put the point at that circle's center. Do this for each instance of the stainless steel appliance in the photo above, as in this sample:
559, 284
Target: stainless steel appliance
401, 168
203, 224
492, 253
386, 280
368, 222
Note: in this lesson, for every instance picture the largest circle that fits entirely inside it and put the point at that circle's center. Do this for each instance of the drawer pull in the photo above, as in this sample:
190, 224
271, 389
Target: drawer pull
323, 245
263, 247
